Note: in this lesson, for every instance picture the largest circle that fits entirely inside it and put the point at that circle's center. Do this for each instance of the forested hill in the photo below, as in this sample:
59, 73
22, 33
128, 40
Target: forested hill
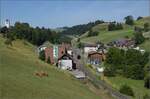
80, 29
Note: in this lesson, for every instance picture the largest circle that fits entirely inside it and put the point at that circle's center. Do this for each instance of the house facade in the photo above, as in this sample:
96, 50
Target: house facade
66, 62
96, 58
55, 52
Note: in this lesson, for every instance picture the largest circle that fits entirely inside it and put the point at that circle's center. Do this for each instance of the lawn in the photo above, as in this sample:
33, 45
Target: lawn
137, 85
18, 65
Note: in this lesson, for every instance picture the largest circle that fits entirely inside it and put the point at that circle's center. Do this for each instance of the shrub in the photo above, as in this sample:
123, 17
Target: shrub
146, 27
42, 55
139, 38
92, 33
80, 45
109, 71
48, 61
114, 26
89, 65
125, 89
147, 82
146, 96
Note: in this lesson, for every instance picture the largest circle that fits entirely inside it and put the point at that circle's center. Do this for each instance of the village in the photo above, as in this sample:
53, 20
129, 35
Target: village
67, 57
74, 49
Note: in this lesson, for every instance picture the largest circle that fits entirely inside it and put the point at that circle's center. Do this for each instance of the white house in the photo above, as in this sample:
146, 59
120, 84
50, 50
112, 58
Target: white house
66, 62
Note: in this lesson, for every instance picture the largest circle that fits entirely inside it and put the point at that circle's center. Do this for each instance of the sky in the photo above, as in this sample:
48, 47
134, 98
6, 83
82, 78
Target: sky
59, 13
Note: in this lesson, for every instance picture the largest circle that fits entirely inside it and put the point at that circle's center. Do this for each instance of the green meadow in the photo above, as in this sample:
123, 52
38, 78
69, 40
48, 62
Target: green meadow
18, 65
107, 36
137, 85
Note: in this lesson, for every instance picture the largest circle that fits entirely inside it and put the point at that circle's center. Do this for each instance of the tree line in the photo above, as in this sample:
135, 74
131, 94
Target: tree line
80, 29
36, 36
114, 26
128, 63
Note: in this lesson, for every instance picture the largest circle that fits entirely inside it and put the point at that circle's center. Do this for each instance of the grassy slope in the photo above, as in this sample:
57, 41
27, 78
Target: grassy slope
137, 85
141, 22
107, 36
17, 67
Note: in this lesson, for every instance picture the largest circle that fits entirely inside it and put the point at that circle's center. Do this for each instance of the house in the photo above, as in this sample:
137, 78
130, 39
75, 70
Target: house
123, 43
96, 58
90, 47
55, 52
49, 55
66, 62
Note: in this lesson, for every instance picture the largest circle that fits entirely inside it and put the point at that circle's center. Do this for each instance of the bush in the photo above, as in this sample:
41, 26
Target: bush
89, 65
134, 71
109, 71
139, 38
80, 45
147, 81
42, 55
146, 96
114, 26
146, 27
125, 89
91, 33
48, 61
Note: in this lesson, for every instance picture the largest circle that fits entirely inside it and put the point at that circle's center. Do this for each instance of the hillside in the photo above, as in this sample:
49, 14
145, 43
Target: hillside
107, 36
18, 80
141, 22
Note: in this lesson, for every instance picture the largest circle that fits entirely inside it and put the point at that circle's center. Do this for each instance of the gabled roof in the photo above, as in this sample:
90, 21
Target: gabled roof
66, 55
94, 52
46, 44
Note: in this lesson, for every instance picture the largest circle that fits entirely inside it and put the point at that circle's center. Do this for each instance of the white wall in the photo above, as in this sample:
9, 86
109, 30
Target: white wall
65, 64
